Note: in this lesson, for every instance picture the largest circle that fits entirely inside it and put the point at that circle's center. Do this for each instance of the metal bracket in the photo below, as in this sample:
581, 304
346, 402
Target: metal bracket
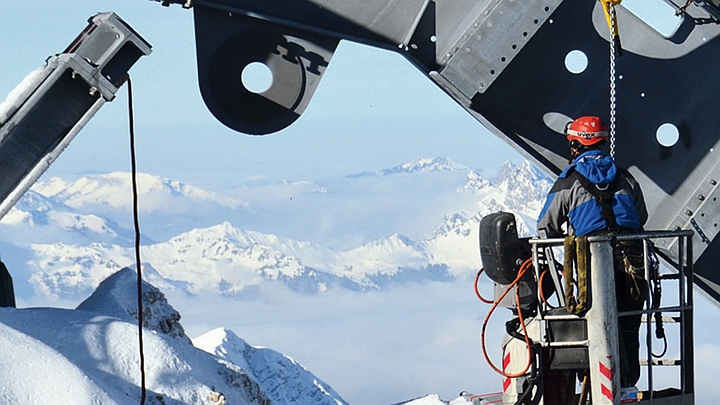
492, 42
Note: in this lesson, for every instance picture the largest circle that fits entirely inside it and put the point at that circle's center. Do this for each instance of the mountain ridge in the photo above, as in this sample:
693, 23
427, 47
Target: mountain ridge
425, 165
228, 260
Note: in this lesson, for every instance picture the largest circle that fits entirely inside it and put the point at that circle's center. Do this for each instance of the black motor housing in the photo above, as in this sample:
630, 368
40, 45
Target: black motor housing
501, 251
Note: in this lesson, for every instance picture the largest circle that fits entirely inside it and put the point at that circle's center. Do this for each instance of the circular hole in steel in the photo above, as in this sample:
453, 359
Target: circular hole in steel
667, 135
257, 77
576, 61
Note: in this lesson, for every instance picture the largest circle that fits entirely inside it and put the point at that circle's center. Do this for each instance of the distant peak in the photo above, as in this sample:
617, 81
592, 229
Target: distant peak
474, 182
284, 380
511, 173
218, 340
111, 189
424, 165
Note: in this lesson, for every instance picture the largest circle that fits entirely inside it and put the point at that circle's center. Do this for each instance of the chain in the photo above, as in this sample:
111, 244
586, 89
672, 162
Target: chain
612, 85
681, 10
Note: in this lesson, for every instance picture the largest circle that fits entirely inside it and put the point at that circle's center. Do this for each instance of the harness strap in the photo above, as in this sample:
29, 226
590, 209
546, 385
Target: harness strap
605, 197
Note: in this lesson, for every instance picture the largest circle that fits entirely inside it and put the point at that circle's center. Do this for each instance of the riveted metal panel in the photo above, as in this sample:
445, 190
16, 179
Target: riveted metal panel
381, 22
490, 44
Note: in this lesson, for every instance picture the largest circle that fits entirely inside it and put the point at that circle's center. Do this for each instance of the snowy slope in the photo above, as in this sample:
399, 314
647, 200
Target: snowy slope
280, 377
90, 356
435, 400
40, 219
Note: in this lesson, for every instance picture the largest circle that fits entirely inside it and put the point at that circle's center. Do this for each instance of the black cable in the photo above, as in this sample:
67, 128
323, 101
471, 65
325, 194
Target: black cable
136, 222
656, 298
532, 381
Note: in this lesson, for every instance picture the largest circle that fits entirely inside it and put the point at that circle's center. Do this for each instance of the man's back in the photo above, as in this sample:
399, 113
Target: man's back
575, 198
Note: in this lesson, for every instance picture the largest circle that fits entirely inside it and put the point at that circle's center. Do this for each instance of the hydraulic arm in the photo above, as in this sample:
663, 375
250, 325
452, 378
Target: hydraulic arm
45, 112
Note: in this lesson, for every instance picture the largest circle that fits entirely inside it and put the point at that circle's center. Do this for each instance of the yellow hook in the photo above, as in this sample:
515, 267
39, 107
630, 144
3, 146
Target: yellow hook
611, 17
612, 22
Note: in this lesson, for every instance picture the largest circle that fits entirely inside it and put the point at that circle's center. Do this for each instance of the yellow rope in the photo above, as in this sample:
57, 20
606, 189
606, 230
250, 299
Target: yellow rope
576, 257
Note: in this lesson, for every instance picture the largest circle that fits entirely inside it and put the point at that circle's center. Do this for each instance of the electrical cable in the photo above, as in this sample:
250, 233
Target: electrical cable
523, 269
136, 222
655, 285
477, 291
541, 289
660, 334
532, 382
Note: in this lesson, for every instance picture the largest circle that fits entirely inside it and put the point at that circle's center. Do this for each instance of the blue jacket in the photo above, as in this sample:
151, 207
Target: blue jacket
569, 202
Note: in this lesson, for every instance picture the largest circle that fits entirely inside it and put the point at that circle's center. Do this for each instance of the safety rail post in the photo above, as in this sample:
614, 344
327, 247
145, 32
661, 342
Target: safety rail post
687, 375
648, 322
602, 325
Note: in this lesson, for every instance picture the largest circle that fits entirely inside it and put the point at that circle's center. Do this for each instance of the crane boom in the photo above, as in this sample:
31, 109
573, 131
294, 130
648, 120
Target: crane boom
47, 110
505, 63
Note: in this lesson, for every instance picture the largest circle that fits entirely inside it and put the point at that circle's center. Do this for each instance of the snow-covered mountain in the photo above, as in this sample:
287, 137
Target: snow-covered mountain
166, 207
282, 379
155, 193
418, 166
40, 219
90, 355
226, 259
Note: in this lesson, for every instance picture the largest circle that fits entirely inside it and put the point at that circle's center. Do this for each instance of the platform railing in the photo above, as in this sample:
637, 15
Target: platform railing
680, 272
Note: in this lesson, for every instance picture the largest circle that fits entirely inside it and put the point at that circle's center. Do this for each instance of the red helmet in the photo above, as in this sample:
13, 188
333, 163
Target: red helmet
587, 130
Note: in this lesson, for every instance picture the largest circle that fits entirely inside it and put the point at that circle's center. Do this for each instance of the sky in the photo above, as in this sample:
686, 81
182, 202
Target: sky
373, 110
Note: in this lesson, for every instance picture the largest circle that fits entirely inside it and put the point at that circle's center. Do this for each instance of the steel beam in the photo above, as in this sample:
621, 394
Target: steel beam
504, 61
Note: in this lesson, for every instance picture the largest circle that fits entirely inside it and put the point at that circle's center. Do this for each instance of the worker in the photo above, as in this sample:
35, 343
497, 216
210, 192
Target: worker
593, 196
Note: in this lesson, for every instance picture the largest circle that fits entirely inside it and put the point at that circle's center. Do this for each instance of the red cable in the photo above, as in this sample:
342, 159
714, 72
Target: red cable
523, 269
477, 292
542, 290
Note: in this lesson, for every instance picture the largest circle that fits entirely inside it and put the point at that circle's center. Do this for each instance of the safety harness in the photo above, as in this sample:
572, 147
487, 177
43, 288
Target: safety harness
576, 247
605, 196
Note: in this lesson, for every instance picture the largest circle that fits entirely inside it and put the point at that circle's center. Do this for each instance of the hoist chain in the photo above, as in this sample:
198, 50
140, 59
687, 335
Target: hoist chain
613, 52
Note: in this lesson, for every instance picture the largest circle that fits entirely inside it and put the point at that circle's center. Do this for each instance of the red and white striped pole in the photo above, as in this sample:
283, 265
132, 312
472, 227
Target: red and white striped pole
602, 323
